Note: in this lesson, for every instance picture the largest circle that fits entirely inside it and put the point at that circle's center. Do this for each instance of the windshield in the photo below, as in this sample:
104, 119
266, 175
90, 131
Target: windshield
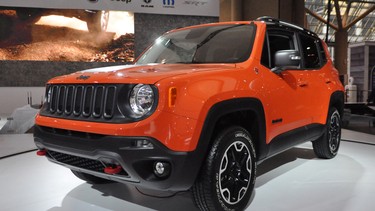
209, 44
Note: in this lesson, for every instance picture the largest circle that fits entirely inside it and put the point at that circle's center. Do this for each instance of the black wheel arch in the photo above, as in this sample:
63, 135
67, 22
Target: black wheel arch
245, 112
337, 101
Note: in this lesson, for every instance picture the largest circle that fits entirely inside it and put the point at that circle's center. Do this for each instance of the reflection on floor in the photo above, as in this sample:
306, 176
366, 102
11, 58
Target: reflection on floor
361, 123
293, 180
11, 144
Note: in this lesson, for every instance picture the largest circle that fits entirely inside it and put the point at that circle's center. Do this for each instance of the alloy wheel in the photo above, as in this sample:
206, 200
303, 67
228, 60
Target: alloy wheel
235, 172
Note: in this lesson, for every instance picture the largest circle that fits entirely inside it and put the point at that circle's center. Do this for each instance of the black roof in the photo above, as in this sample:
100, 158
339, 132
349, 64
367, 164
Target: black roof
274, 21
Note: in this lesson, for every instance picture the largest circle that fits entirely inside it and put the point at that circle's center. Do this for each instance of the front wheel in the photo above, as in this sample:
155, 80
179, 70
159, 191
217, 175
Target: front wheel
227, 178
328, 144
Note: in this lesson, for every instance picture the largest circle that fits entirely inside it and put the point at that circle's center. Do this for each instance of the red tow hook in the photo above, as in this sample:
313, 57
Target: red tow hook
41, 152
112, 170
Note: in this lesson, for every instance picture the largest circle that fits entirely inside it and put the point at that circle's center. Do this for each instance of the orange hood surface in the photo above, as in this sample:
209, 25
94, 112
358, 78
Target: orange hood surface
146, 74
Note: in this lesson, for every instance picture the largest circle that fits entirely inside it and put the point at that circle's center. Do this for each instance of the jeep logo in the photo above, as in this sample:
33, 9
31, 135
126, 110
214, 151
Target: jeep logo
83, 77
125, 1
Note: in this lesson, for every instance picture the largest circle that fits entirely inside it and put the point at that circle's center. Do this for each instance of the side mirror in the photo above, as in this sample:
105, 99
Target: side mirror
286, 59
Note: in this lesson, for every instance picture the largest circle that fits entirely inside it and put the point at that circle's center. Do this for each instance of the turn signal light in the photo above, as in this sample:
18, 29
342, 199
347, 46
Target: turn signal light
172, 96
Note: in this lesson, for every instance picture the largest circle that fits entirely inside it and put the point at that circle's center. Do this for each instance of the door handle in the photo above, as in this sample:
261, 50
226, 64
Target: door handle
302, 83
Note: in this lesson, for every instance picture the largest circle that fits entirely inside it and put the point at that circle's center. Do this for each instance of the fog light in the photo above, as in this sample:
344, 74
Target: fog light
162, 169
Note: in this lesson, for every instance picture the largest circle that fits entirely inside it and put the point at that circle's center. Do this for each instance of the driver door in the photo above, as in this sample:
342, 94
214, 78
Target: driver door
285, 93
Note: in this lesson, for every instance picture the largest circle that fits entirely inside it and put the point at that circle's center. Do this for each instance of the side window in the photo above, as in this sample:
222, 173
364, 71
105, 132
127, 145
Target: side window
280, 40
265, 60
310, 51
323, 56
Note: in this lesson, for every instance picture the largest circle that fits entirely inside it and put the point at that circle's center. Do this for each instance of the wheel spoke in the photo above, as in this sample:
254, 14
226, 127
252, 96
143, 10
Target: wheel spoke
232, 155
233, 193
226, 183
244, 158
224, 164
243, 182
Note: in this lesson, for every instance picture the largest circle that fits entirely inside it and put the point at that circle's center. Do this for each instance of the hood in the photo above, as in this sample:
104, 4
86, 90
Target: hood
146, 74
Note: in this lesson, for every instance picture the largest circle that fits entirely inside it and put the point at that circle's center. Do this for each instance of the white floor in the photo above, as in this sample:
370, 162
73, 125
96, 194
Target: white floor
293, 180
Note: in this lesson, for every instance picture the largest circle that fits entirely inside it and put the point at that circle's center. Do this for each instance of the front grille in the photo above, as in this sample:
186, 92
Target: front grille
80, 162
88, 102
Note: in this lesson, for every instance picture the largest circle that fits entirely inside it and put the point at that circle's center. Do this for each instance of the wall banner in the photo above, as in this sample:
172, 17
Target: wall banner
172, 7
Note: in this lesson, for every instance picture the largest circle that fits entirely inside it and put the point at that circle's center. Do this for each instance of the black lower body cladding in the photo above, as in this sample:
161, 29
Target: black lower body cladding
135, 156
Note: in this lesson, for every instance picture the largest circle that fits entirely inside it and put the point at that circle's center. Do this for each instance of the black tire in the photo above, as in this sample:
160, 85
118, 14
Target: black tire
328, 144
97, 22
226, 180
90, 178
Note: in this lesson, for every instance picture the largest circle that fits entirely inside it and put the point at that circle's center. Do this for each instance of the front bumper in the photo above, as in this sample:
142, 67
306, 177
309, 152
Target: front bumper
91, 153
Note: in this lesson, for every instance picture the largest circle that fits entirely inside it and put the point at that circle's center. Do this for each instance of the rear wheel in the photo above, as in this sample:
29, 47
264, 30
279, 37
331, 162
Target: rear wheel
227, 178
90, 178
328, 144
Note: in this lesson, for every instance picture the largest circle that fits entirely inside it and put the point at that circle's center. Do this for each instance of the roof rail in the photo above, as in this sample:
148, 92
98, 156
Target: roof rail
270, 19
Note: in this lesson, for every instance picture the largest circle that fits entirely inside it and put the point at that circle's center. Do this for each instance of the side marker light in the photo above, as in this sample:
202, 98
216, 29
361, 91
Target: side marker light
172, 96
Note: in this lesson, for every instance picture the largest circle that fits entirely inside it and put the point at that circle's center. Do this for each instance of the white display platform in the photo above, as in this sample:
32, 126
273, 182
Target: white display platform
293, 180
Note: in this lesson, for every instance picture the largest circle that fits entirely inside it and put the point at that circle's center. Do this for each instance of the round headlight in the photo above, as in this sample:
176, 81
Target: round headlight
141, 99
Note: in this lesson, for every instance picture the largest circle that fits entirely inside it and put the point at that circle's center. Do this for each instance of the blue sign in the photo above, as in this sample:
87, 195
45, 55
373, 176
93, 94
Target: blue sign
168, 2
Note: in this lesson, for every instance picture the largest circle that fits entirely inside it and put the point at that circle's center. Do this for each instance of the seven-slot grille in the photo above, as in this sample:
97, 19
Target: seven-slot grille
84, 102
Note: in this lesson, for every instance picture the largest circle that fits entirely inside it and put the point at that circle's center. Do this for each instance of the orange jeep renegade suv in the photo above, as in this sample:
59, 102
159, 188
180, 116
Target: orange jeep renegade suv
198, 110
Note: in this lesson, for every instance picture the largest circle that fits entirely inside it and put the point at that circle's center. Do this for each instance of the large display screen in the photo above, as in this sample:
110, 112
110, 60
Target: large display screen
171, 7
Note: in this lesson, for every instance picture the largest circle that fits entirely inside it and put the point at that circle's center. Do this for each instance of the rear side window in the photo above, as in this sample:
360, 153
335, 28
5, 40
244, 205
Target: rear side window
310, 51
323, 56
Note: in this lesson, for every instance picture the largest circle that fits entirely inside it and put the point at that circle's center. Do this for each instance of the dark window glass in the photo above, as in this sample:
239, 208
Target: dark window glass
310, 51
280, 40
265, 60
323, 56
208, 44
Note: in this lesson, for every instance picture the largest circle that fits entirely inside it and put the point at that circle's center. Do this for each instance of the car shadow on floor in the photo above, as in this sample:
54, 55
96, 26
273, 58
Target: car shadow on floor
117, 196
294, 157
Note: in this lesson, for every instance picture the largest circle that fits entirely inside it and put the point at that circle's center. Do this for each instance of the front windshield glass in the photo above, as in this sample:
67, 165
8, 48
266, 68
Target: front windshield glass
209, 44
